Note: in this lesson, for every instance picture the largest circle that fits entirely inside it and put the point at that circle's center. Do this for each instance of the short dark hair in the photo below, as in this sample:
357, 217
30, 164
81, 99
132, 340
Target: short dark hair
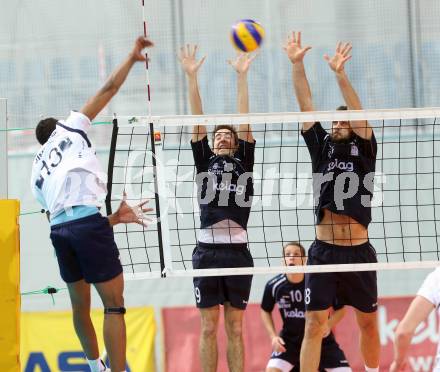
297, 244
228, 127
44, 129
342, 108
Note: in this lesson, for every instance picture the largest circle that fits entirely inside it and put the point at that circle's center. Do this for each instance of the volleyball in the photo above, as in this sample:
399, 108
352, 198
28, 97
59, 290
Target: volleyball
247, 35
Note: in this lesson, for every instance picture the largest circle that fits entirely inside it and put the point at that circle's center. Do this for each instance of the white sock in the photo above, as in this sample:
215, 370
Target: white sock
368, 369
96, 365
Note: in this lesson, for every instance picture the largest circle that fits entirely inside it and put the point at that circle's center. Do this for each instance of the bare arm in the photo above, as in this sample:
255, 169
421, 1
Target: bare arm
417, 312
241, 65
277, 342
300, 83
337, 63
191, 66
96, 103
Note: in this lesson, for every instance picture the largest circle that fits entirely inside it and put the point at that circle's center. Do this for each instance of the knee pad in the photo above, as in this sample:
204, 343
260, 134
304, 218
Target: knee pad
114, 310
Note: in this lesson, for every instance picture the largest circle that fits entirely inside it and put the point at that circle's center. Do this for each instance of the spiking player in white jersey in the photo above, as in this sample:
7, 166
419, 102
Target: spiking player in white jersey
343, 164
225, 184
427, 299
287, 291
68, 182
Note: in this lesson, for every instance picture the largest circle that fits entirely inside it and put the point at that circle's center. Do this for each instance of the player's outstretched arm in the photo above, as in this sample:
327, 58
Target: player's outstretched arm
190, 65
96, 103
241, 65
417, 312
127, 214
277, 342
296, 54
337, 64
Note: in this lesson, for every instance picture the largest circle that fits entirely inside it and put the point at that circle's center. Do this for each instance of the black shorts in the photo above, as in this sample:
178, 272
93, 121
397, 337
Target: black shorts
332, 355
86, 249
215, 290
357, 289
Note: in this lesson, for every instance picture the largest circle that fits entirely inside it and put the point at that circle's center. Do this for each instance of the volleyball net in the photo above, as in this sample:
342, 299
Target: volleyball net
152, 158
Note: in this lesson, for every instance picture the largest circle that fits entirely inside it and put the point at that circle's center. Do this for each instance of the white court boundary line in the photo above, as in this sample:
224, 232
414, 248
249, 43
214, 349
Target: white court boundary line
284, 117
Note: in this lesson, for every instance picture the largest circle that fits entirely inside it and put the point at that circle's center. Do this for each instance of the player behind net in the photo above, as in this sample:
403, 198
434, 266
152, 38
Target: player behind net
343, 165
287, 291
225, 186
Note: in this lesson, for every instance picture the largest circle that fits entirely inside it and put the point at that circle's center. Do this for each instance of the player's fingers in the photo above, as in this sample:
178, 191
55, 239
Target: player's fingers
146, 210
143, 221
194, 50
298, 39
346, 59
201, 62
253, 56
326, 57
145, 42
306, 49
182, 52
338, 47
142, 203
344, 47
293, 37
348, 49
188, 50
124, 196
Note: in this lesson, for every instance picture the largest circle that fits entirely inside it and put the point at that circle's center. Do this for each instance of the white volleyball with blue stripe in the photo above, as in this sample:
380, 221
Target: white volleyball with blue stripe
247, 35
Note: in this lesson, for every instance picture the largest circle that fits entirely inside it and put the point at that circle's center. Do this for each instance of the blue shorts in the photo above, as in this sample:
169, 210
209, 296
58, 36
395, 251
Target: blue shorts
215, 290
86, 249
357, 289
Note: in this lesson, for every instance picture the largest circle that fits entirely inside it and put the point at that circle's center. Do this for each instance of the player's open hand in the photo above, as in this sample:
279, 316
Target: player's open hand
187, 58
342, 55
278, 344
135, 214
140, 44
242, 63
293, 48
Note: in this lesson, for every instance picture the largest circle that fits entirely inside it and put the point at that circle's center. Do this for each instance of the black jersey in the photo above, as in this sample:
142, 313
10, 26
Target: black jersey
225, 184
343, 174
290, 300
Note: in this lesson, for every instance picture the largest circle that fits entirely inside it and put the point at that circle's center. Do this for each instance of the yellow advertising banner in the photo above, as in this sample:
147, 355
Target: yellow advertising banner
49, 342
9, 286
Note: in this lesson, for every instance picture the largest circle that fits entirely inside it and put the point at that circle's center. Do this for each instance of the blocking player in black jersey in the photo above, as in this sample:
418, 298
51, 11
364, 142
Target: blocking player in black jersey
287, 291
343, 164
225, 189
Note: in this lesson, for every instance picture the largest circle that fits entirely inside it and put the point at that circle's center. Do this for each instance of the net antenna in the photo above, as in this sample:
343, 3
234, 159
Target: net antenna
4, 145
405, 206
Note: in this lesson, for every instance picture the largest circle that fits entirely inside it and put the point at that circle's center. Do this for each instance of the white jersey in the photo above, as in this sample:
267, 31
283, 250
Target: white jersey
66, 171
430, 290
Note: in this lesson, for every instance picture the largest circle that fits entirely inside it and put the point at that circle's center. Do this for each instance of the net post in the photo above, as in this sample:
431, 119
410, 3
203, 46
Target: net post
3, 148
10, 298
156, 198
111, 162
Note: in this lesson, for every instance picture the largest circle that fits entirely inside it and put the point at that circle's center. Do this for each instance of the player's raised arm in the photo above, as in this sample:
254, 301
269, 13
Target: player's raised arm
337, 64
190, 65
303, 94
241, 65
96, 103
